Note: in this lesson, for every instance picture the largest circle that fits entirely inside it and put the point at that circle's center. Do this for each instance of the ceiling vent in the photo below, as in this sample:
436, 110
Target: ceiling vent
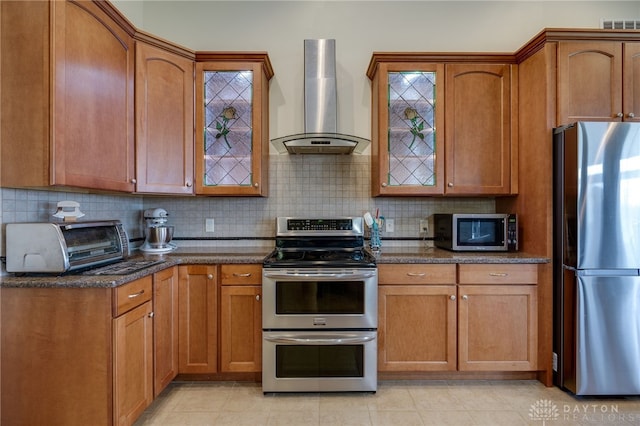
620, 24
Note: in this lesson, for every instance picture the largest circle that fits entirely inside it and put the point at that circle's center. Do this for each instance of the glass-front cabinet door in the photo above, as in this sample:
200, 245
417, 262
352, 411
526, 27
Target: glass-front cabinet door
232, 127
407, 120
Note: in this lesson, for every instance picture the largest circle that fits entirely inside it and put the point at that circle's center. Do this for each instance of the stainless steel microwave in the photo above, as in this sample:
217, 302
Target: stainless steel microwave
476, 232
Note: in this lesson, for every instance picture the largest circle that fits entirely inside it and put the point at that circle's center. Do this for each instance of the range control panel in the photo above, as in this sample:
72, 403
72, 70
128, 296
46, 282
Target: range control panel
319, 224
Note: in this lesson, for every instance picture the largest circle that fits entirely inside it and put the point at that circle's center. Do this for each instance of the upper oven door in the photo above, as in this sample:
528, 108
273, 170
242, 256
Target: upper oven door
322, 298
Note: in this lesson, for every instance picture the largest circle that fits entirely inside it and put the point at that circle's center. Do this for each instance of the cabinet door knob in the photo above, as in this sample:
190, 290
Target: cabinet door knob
188, 184
450, 184
465, 297
210, 276
384, 184
452, 297
256, 184
258, 297
134, 180
151, 314
619, 115
631, 115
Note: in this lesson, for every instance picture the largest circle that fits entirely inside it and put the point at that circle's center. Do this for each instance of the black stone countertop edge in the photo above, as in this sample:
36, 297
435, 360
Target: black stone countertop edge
236, 255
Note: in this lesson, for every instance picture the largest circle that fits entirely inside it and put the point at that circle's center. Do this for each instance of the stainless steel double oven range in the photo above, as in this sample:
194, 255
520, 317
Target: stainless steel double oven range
320, 308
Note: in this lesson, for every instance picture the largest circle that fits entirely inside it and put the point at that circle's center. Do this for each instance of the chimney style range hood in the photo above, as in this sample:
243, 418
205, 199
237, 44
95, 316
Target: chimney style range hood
320, 107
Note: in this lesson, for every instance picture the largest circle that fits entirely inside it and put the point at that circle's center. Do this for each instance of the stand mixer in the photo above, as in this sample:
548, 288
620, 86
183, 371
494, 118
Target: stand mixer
158, 234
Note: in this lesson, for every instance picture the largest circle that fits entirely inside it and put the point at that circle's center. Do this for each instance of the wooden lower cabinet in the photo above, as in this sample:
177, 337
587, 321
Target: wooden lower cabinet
241, 318
197, 295
240, 329
76, 356
416, 327
165, 328
478, 318
133, 364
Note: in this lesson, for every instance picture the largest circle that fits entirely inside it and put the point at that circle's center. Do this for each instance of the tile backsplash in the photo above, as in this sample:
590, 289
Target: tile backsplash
300, 185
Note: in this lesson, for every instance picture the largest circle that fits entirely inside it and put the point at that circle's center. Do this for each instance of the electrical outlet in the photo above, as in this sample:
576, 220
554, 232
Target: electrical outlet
424, 226
389, 225
209, 225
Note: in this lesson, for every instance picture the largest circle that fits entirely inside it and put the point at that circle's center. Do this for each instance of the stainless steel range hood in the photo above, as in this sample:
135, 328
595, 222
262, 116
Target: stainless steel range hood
320, 107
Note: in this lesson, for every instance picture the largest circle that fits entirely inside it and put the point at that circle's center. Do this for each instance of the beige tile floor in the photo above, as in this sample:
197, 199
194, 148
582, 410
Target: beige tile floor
402, 403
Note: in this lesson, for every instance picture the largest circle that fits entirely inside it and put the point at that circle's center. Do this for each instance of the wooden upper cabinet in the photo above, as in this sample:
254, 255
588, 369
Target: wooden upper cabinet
443, 128
631, 82
407, 153
164, 120
67, 96
232, 124
590, 81
478, 128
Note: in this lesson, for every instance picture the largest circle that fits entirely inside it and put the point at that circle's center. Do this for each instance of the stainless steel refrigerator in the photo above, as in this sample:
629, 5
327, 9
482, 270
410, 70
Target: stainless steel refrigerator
597, 258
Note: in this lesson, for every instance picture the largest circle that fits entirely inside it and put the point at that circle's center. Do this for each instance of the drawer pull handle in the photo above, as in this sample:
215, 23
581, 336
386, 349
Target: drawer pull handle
416, 274
248, 274
134, 295
498, 274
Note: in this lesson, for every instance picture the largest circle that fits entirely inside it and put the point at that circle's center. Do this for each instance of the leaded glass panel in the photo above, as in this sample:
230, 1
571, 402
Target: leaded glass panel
228, 131
412, 132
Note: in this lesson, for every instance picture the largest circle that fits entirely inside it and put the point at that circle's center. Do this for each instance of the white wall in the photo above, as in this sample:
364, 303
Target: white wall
360, 28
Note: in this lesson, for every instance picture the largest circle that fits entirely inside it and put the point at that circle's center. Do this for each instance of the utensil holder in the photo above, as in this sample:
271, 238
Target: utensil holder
375, 243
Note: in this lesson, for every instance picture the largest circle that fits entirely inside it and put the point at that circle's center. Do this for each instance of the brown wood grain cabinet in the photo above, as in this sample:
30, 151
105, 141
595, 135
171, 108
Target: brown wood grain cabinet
485, 320
232, 123
417, 318
443, 124
165, 328
241, 318
78, 356
598, 81
480, 129
133, 363
197, 295
497, 317
164, 119
67, 90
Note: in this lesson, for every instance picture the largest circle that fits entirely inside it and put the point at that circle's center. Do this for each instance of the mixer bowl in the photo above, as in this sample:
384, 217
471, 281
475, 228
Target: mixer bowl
159, 236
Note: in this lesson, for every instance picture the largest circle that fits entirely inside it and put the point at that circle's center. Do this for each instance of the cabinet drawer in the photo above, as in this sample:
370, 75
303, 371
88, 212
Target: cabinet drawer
241, 274
498, 274
130, 295
416, 274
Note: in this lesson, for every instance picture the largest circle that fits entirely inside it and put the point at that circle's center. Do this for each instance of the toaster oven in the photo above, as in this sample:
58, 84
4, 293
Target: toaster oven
64, 247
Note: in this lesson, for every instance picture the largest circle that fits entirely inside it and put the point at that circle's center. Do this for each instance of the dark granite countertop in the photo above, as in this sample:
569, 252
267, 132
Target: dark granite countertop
222, 255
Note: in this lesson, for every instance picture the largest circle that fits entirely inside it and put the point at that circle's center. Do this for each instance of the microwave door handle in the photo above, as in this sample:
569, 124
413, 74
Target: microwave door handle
328, 340
286, 275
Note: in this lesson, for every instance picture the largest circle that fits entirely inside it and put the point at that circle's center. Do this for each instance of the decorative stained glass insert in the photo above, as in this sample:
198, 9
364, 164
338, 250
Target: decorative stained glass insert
412, 132
228, 131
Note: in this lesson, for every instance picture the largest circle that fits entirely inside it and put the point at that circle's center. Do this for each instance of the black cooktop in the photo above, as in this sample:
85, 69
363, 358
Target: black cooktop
352, 258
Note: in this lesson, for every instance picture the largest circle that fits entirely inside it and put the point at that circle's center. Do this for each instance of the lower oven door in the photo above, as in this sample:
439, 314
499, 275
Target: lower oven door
319, 361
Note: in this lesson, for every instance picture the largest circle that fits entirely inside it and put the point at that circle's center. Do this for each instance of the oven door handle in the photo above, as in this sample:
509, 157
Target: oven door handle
328, 340
324, 275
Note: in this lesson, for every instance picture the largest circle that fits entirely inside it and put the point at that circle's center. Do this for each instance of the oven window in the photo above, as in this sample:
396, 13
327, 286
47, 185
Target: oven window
302, 361
480, 232
319, 297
